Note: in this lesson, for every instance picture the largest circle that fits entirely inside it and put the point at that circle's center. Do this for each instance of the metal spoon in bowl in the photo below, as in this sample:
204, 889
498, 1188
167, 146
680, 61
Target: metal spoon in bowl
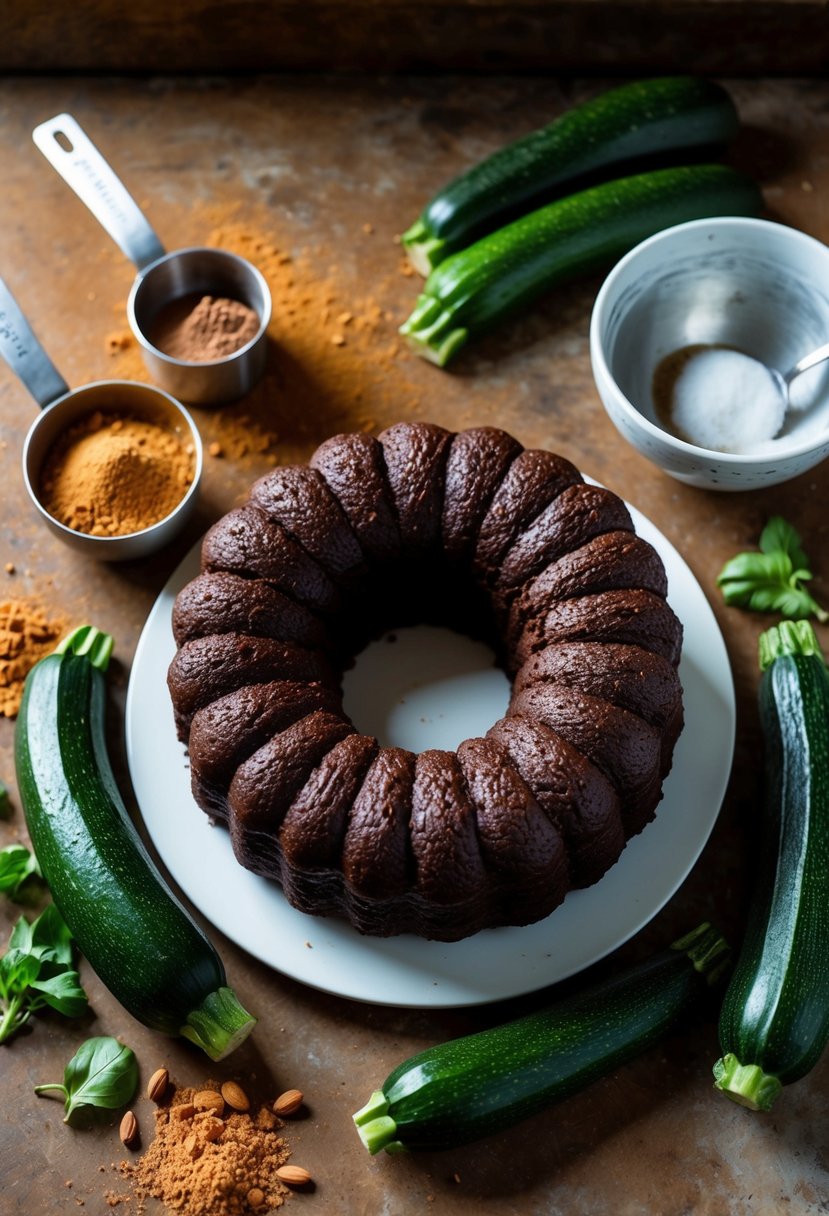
783, 380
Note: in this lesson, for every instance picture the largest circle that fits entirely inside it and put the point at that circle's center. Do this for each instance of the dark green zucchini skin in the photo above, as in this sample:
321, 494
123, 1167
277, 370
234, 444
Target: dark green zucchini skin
774, 1023
669, 114
467, 1088
137, 936
503, 272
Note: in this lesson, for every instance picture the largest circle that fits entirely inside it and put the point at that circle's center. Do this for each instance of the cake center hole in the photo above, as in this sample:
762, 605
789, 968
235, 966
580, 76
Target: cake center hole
423, 686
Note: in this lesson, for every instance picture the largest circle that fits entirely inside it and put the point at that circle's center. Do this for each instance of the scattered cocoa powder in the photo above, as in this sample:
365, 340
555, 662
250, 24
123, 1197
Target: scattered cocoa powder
26, 635
111, 475
335, 362
201, 329
199, 1164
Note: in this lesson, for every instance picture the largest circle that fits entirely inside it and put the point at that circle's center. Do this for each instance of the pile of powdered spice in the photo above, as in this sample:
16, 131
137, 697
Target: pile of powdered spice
213, 1154
26, 635
202, 329
112, 475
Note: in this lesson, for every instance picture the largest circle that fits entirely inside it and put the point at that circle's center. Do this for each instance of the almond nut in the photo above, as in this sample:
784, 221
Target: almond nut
184, 1110
128, 1131
157, 1085
288, 1103
208, 1099
294, 1175
235, 1096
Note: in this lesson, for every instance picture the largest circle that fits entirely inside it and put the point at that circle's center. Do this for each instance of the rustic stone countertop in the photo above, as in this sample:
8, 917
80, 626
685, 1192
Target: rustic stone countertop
314, 178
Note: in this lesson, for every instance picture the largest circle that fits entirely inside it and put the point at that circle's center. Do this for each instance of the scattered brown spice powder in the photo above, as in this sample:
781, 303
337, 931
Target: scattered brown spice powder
200, 1165
26, 635
334, 359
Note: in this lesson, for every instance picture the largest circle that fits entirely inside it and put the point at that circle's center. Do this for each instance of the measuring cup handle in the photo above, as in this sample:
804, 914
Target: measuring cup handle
69, 150
24, 354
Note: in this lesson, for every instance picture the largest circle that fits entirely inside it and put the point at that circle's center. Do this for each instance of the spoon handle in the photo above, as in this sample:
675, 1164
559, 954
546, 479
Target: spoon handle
24, 354
69, 150
810, 360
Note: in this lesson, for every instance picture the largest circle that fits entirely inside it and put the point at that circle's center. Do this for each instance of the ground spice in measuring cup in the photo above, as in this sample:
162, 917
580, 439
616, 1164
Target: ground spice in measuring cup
201, 329
112, 475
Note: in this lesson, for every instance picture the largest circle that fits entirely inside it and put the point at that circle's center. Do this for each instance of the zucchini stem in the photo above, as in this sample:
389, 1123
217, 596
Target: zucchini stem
424, 249
708, 951
788, 638
431, 331
219, 1025
375, 1126
746, 1084
86, 640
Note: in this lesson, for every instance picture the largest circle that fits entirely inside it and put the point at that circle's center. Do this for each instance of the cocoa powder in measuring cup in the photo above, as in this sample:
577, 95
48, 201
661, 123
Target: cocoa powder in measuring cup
201, 329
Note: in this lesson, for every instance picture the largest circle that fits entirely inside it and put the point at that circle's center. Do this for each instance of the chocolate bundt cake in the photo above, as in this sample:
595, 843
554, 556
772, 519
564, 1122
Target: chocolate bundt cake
467, 530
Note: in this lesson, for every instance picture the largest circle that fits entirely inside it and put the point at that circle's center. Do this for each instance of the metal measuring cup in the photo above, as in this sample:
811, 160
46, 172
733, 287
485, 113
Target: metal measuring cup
63, 406
162, 277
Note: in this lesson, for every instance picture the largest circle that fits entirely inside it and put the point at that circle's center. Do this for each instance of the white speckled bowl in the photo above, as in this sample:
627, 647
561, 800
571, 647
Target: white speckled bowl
752, 284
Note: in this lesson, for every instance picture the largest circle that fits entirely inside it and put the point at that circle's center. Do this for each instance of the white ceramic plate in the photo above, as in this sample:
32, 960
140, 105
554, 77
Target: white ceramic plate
407, 971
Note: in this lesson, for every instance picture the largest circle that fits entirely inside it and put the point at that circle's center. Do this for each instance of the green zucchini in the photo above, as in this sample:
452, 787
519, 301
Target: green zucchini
472, 1086
503, 272
139, 939
774, 1022
670, 114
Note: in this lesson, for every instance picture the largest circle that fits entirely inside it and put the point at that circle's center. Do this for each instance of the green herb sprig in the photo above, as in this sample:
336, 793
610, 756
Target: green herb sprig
102, 1072
37, 971
17, 865
773, 579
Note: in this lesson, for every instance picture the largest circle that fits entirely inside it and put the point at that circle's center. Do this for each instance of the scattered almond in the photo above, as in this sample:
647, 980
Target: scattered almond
157, 1085
208, 1099
288, 1103
235, 1096
128, 1131
192, 1146
293, 1175
184, 1110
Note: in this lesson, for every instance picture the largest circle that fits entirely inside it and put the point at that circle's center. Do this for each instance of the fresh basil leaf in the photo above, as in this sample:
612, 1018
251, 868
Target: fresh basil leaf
738, 593
17, 970
62, 992
797, 604
751, 566
36, 970
769, 599
21, 936
773, 579
103, 1072
16, 865
50, 935
780, 535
